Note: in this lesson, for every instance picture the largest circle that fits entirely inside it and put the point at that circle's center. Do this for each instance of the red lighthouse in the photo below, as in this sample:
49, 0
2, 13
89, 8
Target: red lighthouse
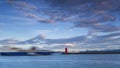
66, 50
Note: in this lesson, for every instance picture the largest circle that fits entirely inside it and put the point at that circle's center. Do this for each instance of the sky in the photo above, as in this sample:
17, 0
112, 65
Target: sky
81, 24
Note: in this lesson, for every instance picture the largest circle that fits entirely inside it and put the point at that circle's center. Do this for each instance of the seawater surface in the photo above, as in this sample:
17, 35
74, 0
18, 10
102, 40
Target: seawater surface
62, 61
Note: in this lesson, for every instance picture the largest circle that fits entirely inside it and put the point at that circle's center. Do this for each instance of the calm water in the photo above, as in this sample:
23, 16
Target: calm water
62, 61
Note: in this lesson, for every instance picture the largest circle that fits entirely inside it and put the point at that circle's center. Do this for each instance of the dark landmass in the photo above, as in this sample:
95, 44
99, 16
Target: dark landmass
97, 52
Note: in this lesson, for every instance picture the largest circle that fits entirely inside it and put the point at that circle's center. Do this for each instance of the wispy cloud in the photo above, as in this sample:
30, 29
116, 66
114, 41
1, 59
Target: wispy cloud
22, 5
89, 13
99, 41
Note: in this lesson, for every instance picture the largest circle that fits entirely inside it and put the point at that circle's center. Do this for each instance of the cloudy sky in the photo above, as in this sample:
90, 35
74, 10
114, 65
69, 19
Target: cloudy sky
78, 24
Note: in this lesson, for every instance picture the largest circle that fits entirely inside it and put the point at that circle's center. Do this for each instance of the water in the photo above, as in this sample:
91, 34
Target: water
62, 61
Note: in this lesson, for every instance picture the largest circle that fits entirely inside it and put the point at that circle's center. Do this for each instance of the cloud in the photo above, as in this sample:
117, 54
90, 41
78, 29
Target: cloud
29, 7
22, 5
105, 40
32, 16
98, 23
42, 36
99, 41
40, 19
96, 42
69, 45
89, 14
46, 21
106, 28
83, 14
78, 42
9, 41
66, 40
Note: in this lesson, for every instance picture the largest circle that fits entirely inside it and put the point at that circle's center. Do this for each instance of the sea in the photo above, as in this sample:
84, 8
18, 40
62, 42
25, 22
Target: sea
62, 61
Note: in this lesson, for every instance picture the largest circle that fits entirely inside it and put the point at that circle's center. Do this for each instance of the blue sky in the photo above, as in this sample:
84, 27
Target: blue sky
15, 25
62, 19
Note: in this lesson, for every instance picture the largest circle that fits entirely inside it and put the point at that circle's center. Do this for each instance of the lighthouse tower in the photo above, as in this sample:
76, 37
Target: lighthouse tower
66, 50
